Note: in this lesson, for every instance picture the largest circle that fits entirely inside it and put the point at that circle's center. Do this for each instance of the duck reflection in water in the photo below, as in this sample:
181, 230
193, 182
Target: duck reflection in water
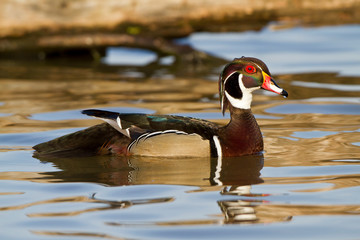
136, 170
230, 174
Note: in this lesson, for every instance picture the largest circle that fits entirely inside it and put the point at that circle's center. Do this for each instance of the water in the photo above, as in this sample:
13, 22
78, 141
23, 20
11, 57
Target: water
305, 185
327, 49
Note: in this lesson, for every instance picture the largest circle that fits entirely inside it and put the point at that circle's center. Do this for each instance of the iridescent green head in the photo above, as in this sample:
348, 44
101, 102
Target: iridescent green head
240, 78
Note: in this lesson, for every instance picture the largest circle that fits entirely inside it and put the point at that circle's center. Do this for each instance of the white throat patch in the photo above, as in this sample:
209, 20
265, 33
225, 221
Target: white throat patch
245, 101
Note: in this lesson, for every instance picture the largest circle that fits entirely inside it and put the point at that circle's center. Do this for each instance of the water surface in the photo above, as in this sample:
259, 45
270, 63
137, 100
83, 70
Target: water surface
304, 186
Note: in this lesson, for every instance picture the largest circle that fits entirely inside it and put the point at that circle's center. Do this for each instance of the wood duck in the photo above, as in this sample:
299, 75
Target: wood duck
176, 136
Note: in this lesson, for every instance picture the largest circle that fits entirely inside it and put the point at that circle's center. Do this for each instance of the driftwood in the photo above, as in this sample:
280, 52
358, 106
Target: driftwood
45, 26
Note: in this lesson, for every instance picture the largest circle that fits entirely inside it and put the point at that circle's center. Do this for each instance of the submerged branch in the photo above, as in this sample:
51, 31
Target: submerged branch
46, 27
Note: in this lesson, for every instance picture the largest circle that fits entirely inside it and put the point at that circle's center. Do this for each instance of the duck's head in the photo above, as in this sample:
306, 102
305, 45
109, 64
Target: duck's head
240, 78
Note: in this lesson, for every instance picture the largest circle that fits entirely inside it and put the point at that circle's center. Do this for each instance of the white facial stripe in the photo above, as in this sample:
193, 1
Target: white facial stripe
242, 86
223, 96
258, 66
228, 77
245, 101
235, 102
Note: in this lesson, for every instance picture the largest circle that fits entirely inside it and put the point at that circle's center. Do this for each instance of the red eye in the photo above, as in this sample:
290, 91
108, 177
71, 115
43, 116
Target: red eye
250, 69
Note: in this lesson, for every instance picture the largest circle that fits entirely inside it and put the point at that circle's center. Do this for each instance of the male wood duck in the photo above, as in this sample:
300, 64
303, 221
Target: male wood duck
176, 136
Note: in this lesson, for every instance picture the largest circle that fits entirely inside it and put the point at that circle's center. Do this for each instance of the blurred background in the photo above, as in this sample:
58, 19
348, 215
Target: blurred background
47, 30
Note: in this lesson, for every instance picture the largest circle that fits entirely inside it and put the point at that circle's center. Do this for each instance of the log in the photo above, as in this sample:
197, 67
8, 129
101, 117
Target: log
166, 16
48, 25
